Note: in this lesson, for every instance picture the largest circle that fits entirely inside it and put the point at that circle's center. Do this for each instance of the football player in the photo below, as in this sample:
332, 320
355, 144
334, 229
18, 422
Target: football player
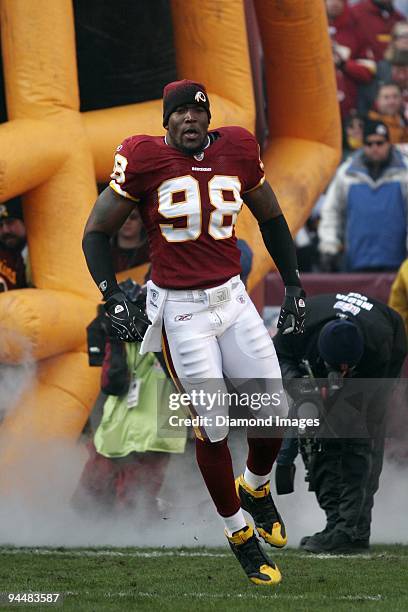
189, 187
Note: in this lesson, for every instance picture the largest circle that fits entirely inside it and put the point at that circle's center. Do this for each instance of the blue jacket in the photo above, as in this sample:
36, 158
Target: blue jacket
367, 218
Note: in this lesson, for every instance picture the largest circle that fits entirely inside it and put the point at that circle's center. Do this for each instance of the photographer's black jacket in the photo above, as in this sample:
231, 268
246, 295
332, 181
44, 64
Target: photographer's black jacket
382, 328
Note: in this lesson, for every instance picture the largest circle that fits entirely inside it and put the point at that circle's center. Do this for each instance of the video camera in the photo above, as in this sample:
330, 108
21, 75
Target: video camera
308, 395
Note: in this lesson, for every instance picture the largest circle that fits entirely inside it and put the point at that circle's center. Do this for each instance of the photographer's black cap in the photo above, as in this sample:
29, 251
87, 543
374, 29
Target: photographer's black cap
341, 343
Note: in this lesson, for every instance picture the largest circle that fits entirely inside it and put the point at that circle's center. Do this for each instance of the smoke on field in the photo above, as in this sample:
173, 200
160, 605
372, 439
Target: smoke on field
36, 505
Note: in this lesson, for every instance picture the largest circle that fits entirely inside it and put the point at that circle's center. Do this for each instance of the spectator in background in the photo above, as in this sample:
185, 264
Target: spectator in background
13, 249
388, 105
392, 69
399, 43
377, 17
352, 134
128, 454
352, 59
399, 73
364, 215
306, 245
123, 470
129, 247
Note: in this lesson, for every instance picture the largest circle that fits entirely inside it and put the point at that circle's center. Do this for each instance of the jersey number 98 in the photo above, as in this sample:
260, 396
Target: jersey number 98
180, 198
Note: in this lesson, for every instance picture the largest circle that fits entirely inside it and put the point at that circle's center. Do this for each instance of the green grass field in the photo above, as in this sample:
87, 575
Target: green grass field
206, 579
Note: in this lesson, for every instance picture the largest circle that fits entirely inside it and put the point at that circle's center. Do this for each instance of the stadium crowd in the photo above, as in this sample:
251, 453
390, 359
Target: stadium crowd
370, 55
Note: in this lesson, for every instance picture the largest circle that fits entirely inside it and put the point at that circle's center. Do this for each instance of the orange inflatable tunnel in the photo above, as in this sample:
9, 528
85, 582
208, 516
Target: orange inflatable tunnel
52, 154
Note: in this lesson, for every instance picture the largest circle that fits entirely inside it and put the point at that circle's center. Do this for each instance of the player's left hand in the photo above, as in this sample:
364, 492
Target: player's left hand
292, 314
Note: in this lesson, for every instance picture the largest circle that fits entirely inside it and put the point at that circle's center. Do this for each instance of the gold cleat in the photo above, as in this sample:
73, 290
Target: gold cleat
260, 505
254, 562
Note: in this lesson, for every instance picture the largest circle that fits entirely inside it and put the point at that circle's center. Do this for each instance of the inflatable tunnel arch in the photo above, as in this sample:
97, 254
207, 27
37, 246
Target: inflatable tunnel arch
52, 154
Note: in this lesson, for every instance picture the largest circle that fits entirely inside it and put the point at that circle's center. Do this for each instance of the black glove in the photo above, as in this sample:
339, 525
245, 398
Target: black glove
292, 314
128, 322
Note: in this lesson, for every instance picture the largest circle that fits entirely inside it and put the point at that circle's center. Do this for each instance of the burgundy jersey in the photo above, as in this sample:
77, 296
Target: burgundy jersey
189, 204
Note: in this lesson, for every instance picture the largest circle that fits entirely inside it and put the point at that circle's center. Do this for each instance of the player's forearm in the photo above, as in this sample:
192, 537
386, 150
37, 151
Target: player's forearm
96, 247
280, 245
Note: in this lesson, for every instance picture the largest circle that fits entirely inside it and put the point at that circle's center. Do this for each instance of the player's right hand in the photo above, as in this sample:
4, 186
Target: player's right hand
129, 323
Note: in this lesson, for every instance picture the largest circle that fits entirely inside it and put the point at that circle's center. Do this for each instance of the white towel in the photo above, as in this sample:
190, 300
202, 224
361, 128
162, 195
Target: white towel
156, 298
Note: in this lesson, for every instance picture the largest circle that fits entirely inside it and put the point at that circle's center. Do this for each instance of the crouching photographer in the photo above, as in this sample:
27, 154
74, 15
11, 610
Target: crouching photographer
347, 336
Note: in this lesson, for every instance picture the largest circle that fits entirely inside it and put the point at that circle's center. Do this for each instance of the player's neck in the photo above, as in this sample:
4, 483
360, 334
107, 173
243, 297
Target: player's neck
207, 144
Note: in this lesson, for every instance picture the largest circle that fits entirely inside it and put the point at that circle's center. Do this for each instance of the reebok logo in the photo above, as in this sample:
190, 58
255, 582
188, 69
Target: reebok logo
197, 169
183, 317
118, 309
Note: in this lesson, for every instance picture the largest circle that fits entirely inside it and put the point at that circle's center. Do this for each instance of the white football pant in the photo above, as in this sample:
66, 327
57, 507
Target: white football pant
217, 332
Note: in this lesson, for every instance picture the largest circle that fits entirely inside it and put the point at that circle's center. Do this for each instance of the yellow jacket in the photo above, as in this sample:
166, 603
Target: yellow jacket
398, 299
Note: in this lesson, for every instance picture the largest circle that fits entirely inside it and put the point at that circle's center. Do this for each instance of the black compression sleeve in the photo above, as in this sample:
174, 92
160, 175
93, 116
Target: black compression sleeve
96, 246
280, 245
